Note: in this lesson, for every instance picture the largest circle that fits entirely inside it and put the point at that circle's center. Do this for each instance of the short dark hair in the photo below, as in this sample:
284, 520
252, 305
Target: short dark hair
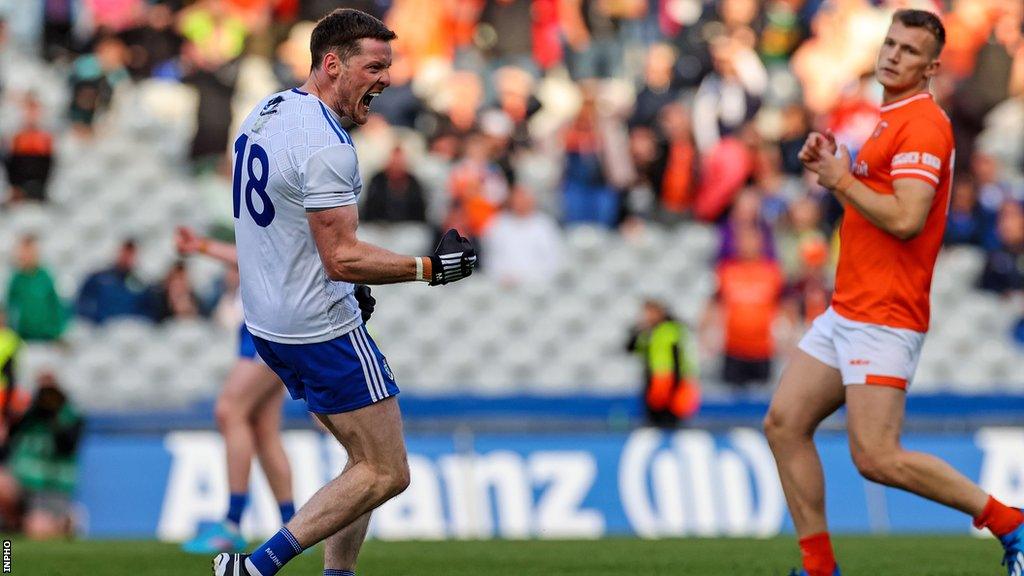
926, 20
340, 32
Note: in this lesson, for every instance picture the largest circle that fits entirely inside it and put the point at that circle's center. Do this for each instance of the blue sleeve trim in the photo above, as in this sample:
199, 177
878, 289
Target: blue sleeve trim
342, 135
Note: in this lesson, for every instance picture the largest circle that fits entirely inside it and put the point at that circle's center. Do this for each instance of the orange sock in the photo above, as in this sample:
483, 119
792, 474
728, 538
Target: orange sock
999, 518
816, 549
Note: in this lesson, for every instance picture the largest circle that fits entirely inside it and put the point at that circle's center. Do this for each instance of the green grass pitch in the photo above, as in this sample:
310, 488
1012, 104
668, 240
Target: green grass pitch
868, 556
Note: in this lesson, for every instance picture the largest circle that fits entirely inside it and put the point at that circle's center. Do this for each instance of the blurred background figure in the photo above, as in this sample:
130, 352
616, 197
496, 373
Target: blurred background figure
809, 292
34, 308
9, 391
522, 244
587, 195
39, 474
173, 297
750, 288
114, 291
671, 390
394, 194
29, 158
1004, 266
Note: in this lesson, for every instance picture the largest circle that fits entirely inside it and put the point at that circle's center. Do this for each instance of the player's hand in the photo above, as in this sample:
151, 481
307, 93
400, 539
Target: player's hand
816, 146
366, 301
831, 168
186, 240
453, 259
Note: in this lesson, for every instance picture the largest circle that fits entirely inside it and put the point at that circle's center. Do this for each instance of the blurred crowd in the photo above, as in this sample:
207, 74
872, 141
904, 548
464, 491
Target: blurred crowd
512, 119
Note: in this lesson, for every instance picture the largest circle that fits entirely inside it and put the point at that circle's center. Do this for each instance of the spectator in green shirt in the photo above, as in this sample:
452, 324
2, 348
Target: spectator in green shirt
34, 309
38, 477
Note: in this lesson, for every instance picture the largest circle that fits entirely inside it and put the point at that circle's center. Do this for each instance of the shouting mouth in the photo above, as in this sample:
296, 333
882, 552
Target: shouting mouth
368, 98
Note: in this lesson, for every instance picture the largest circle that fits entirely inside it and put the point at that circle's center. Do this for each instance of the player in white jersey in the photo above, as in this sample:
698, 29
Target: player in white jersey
296, 182
248, 413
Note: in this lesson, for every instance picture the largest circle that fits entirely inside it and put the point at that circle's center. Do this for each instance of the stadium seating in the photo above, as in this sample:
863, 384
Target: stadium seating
506, 340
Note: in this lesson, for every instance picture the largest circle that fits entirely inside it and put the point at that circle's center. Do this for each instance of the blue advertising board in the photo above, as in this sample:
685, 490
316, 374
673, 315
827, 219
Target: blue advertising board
645, 483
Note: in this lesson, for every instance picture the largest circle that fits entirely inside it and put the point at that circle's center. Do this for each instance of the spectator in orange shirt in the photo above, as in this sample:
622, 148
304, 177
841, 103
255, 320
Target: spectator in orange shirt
749, 291
478, 189
30, 155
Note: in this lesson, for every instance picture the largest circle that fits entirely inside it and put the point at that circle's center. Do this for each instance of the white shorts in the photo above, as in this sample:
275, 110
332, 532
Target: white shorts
864, 353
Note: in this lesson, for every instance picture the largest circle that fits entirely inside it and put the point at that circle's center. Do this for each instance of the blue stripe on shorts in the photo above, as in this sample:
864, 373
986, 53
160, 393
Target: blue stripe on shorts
339, 375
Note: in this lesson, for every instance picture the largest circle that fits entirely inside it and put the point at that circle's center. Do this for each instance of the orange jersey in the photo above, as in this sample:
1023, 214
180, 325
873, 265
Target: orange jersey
882, 279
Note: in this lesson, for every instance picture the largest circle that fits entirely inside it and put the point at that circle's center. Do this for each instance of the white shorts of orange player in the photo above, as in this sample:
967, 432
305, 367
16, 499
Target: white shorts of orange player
864, 353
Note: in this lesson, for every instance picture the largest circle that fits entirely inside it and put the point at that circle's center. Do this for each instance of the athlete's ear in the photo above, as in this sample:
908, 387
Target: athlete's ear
933, 68
332, 64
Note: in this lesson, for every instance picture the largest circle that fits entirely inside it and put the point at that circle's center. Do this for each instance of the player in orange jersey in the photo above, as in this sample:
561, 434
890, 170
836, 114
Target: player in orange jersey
864, 349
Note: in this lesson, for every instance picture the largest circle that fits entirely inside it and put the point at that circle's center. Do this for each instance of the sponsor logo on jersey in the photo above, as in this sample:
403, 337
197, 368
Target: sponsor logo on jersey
387, 368
859, 362
907, 158
931, 160
860, 168
878, 129
271, 106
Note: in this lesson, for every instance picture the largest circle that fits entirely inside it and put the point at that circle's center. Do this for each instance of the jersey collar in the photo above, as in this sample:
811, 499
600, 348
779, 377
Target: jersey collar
904, 101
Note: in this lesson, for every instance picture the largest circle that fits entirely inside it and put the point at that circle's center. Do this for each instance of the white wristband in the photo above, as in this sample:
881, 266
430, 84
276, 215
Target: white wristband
419, 269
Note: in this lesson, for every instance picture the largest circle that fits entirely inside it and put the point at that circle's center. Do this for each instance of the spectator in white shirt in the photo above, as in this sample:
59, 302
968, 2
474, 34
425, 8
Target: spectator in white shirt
522, 245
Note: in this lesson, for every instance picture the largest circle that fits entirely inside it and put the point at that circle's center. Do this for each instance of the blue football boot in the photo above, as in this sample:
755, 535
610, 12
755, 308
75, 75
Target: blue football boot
215, 537
1013, 557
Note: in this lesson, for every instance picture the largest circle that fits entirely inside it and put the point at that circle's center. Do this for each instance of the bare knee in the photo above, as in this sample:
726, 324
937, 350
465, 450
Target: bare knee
228, 414
881, 465
781, 429
393, 478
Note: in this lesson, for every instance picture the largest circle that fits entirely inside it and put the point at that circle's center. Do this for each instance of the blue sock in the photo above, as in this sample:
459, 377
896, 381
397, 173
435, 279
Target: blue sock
287, 511
275, 553
333, 572
236, 504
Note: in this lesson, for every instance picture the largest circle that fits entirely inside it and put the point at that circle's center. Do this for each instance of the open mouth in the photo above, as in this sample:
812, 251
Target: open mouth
368, 98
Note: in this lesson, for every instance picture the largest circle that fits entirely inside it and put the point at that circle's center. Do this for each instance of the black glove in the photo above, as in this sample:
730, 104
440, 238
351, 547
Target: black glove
453, 259
366, 301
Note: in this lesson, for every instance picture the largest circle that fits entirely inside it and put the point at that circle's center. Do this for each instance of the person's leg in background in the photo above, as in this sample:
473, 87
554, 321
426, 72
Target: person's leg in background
273, 460
239, 410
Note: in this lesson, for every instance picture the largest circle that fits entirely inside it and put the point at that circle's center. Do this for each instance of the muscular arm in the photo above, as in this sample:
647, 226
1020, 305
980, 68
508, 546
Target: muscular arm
901, 214
347, 259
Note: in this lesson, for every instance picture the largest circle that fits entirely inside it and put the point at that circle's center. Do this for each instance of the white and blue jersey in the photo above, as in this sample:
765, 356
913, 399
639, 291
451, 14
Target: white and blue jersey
292, 156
